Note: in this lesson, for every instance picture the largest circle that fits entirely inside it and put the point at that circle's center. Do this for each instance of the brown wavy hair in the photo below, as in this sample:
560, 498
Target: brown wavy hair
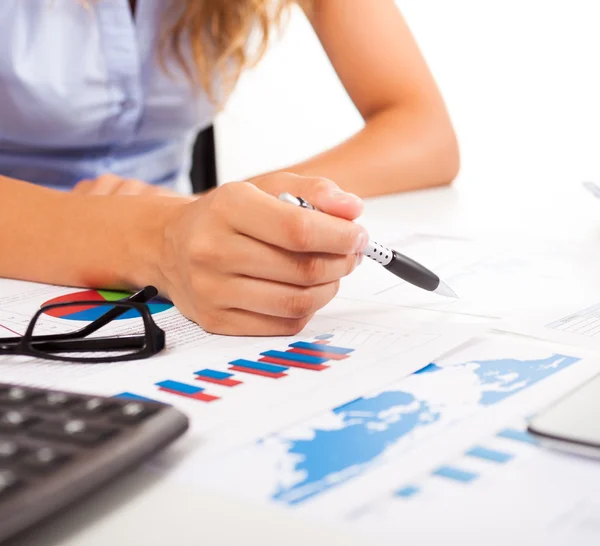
221, 34
225, 36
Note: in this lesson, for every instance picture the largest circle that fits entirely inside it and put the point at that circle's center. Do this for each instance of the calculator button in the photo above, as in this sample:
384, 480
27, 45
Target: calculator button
74, 430
133, 412
8, 481
14, 421
17, 395
45, 458
55, 401
93, 406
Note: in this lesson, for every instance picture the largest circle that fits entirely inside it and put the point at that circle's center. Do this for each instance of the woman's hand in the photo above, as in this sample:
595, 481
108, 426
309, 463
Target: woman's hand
112, 184
239, 261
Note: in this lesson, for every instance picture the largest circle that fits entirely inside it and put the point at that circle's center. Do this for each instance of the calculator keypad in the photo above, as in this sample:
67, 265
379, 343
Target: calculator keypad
56, 447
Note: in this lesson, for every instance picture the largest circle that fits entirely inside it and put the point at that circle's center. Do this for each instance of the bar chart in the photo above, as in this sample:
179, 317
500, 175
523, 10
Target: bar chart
506, 446
317, 355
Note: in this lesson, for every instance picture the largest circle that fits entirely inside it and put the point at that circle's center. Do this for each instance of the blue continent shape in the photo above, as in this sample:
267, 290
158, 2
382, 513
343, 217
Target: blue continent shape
347, 451
509, 376
331, 457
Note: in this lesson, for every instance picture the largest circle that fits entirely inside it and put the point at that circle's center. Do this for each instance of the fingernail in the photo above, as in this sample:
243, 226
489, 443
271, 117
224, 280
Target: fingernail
344, 198
361, 242
359, 259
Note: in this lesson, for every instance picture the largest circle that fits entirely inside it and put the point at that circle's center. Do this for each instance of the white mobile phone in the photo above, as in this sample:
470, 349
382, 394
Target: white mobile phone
572, 424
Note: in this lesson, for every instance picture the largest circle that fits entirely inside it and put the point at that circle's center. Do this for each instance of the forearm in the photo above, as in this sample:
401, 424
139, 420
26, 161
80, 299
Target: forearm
396, 151
64, 238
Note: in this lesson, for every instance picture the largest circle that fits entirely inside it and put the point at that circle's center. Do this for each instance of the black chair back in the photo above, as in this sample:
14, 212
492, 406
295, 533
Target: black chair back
203, 173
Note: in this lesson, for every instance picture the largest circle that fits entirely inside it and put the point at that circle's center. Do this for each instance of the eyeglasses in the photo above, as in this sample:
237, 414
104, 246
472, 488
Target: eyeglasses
88, 346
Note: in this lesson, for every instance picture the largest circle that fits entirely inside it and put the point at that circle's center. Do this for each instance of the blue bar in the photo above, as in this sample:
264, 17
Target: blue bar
262, 366
214, 374
455, 474
407, 492
179, 387
295, 357
131, 396
518, 436
323, 337
321, 348
489, 455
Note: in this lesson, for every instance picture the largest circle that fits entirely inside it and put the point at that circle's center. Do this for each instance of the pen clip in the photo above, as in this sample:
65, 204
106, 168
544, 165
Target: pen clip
305, 204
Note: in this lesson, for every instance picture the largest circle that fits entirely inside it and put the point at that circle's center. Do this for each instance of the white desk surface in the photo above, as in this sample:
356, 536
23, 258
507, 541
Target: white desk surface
145, 510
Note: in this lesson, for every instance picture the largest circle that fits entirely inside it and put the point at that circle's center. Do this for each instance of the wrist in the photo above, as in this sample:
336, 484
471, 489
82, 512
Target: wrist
148, 247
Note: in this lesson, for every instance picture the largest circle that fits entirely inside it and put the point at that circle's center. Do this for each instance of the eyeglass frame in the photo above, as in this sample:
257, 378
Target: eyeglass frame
150, 343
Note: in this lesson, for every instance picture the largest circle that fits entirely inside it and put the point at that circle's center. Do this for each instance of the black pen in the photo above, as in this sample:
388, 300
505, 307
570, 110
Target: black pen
401, 266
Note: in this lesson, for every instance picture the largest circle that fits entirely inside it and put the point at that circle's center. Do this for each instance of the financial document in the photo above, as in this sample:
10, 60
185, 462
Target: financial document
443, 452
492, 278
576, 326
234, 388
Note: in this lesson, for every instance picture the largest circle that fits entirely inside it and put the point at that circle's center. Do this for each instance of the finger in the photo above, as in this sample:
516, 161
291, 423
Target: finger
106, 184
275, 299
82, 187
251, 211
252, 258
322, 193
239, 322
131, 186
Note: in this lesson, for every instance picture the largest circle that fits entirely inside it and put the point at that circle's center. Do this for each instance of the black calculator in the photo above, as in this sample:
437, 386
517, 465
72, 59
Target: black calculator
56, 447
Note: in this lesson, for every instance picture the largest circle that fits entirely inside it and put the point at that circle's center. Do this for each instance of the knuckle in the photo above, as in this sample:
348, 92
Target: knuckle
335, 287
299, 303
311, 270
212, 320
222, 198
351, 263
202, 249
298, 231
294, 326
324, 185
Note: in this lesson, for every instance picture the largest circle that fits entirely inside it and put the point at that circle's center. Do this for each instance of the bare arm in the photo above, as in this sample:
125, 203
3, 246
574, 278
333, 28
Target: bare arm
68, 239
408, 141
221, 267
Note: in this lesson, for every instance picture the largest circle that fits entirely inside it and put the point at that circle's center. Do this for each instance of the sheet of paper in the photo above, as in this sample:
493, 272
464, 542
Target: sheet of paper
235, 388
576, 325
440, 453
492, 278
20, 300
593, 188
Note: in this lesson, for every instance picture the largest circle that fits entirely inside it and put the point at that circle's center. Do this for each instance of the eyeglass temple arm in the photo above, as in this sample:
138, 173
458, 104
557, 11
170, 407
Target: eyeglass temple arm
142, 296
94, 344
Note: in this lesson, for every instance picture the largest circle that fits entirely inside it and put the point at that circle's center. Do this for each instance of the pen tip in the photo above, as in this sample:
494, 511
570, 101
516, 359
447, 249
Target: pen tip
444, 290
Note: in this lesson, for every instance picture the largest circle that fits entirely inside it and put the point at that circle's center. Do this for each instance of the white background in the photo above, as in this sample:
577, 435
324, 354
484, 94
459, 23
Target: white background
521, 79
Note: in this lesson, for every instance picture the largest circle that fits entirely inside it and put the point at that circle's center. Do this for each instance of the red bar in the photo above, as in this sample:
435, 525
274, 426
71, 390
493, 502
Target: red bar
292, 364
330, 356
223, 382
321, 342
198, 396
258, 372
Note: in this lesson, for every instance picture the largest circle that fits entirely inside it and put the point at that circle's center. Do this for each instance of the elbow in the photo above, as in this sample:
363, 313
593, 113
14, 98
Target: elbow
445, 157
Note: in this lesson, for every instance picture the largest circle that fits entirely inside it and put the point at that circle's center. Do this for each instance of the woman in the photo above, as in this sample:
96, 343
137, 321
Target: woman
102, 96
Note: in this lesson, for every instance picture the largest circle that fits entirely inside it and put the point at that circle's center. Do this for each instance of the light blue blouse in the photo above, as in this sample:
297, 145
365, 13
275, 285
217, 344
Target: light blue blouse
82, 93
